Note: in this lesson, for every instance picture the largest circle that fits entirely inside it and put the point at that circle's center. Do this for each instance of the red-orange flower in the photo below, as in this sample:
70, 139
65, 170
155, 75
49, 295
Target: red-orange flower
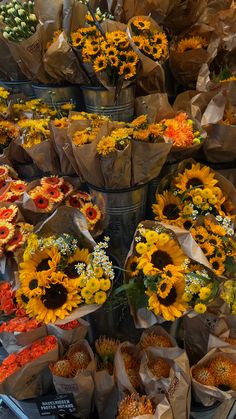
6, 232
70, 325
53, 193
66, 188
91, 212
74, 201
8, 213
16, 241
3, 172
42, 202
18, 187
52, 181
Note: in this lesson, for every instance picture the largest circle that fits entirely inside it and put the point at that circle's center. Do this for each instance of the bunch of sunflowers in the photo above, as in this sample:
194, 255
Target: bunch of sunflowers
56, 277
159, 270
193, 193
151, 42
111, 54
8, 133
190, 43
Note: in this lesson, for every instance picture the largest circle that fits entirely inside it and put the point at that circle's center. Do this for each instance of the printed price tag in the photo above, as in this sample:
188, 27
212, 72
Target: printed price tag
56, 405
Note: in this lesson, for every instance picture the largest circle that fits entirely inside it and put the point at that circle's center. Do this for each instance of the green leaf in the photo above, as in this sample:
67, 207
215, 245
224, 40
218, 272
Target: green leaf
230, 264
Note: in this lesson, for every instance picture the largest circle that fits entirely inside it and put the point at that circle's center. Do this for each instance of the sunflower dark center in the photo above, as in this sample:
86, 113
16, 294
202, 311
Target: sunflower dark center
160, 259
141, 24
171, 211
24, 298
43, 265
187, 225
194, 182
71, 270
55, 296
199, 237
133, 266
168, 273
213, 241
170, 299
33, 284
163, 287
215, 265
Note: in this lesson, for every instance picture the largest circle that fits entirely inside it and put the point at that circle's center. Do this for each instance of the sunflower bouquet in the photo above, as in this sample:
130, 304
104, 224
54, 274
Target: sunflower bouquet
8, 132
215, 236
213, 377
194, 192
75, 371
19, 368
165, 275
57, 278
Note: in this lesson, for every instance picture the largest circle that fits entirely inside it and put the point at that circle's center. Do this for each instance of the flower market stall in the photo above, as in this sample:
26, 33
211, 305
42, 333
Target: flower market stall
118, 209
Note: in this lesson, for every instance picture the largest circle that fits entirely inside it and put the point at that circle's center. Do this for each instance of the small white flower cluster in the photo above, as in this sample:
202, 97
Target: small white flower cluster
80, 268
66, 244
226, 223
99, 259
19, 18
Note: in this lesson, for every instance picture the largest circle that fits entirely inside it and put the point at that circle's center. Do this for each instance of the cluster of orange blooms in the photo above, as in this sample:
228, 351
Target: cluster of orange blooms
77, 360
15, 361
19, 324
219, 372
7, 296
70, 325
11, 189
51, 190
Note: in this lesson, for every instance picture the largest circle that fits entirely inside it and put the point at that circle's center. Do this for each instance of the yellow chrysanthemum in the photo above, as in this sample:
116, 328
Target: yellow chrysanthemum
197, 176
139, 121
93, 285
204, 293
100, 297
168, 208
106, 146
200, 308
59, 298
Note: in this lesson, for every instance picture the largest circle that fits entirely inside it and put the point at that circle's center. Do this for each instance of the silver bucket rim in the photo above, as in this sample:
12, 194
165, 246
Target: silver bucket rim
124, 190
103, 89
13, 82
55, 86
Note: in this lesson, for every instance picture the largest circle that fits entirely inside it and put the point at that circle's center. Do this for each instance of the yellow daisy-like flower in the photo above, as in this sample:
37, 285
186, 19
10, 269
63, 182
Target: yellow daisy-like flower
105, 284
106, 146
59, 298
197, 176
86, 294
139, 121
141, 135
128, 70
93, 285
80, 256
46, 260
100, 297
6, 232
200, 308
32, 284
194, 42
204, 293
141, 23
168, 208
100, 63
152, 237
141, 248
160, 256
171, 306
217, 265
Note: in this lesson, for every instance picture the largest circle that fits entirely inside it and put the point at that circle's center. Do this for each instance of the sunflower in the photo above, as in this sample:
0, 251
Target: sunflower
217, 265
100, 63
168, 208
147, 49
207, 249
9, 213
80, 256
128, 70
6, 232
221, 368
160, 39
187, 223
21, 299
159, 256
45, 261
200, 234
204, 376
195, 42
77, 39
113, 61
132, 267
141, 23
217, 229
139, 41
52, 181
111, 51
215, 241
171, 306
91, 212
59, 298
197, 176
53, 193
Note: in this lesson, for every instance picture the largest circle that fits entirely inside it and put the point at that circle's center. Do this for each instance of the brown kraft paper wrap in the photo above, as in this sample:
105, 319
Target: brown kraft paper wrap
177, 387
69, 337
123, 383
14, 341
32, 380
61, 63
208, 395
105, 394
126, 9
60, 142
81, 385
219, 341
144, 318
9, 70
151, 78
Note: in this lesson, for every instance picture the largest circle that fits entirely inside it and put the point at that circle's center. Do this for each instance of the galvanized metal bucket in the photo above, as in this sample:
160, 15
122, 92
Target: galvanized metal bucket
198, 411
153, 185
102, 101
123, 209
59, 95
15, 87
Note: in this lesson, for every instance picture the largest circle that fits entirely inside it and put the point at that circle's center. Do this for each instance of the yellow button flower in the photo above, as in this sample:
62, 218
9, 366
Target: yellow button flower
100, 297
93, 285
200, 308
141, 248
105, 284
197, 200
204, 293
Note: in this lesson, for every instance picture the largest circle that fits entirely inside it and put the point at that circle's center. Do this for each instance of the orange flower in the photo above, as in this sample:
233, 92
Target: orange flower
18, 187
71, 325
91, 212
16, 241
42, 202
8, 213
53, 193
52, 181
66, 188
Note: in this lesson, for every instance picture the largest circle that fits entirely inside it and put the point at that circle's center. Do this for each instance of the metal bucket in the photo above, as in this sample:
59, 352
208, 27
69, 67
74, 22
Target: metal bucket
15, 87
124, 209
198, 411
153, 185
59, 95
101, 101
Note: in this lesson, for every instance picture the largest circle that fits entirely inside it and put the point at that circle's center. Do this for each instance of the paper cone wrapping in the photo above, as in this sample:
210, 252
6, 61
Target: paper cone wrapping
123, 383
126, 9
12, 342
151, 78
69, 337
9, 70
32, 380
81, 386
177, 386
208, 395
160, 331
105, 395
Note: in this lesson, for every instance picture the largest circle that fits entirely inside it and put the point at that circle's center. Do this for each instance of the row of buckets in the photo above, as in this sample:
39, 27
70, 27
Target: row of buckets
87, 98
